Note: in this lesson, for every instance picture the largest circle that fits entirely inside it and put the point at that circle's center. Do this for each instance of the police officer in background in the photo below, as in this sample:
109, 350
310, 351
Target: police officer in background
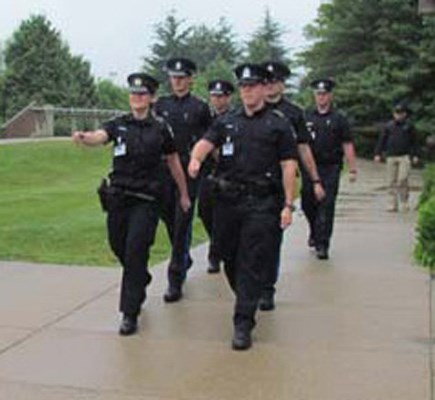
220, 92
295, 115
131, 197
256, 166
399, 143
330, 139
189, 118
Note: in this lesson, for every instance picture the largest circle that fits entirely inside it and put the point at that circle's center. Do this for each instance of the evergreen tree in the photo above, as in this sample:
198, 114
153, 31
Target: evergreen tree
379, 52
171, 41
39, 67
266, 42
208, 45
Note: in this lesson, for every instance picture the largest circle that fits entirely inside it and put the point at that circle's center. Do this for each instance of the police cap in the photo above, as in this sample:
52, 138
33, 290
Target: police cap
220, 87
251, 73
323, 85
139, 82
401, 107
279, 70
179, 66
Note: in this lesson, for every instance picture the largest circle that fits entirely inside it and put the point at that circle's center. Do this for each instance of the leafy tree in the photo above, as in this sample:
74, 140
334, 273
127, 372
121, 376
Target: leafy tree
219, 69
40, 67
111, 96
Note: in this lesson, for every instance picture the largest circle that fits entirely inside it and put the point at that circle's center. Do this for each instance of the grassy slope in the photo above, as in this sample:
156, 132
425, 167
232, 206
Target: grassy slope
49, 210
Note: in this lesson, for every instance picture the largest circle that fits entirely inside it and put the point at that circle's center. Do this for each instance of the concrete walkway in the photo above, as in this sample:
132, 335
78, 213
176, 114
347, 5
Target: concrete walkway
352, 328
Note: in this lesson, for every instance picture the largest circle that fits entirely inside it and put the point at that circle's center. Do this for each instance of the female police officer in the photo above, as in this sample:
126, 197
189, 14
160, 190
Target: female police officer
139, 141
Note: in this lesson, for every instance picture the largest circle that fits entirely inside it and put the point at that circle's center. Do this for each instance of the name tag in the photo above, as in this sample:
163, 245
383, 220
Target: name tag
228, 148
120, 148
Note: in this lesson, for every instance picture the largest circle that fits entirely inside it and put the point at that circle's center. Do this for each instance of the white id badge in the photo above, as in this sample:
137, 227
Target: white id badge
228, 148
120, 149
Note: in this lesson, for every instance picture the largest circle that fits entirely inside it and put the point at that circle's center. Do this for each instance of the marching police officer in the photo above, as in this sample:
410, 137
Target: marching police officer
131, 197
220, 91
189, 118
295, 115
330, 139
399, 143
256, 166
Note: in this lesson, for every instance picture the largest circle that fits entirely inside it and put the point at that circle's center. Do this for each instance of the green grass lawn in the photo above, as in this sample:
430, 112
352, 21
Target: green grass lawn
49, 209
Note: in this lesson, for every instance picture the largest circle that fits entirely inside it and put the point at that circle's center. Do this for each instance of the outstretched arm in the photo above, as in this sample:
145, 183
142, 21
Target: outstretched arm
90, 138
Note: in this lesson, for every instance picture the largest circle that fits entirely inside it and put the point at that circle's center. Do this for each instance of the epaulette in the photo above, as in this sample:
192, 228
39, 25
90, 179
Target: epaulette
158, 118
278, 113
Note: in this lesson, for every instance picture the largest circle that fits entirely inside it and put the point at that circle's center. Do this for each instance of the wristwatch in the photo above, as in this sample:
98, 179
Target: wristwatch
316, 181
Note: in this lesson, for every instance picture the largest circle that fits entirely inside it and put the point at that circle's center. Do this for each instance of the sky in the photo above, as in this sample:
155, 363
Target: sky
115, 36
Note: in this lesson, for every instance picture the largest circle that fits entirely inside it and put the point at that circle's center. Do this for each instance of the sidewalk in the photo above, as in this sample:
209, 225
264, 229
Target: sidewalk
352, 328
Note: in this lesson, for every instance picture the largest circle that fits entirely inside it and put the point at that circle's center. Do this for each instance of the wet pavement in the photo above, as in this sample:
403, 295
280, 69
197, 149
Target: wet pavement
355, 327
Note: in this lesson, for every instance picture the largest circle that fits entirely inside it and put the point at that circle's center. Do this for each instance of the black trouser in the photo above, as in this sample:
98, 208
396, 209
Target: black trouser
273, 273
132, 229
248, 232
206, 206
178, 224
320, 215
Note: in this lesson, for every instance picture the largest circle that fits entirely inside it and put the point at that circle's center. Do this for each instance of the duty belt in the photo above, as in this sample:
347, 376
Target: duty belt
260, 189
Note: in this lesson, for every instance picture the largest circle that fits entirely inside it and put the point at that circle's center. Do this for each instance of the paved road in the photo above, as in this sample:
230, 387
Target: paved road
351, 328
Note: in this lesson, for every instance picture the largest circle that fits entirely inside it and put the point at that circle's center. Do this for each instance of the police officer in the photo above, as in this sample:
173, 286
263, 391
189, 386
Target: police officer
131, 198
256, 165
220, 92
330, 139
275, 98
399, 143
189, 118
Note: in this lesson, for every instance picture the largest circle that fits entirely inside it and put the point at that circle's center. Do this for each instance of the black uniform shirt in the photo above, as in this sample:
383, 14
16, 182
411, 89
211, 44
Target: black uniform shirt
251, 147
189, 118
295, 115
328, 133
398, 139
138, 146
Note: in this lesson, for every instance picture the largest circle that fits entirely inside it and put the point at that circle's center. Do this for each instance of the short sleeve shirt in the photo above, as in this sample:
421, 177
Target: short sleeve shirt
138, 146
252, 147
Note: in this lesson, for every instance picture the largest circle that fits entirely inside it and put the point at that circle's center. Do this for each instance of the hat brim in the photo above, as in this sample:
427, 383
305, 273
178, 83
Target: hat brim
322, 91
179, 74
251, 81
218, 93
141, 90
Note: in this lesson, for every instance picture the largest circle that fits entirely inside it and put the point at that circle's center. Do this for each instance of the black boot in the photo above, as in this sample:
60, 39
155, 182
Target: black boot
267, 302
173, 293
322, 253
128, 325
242, 339
213, 266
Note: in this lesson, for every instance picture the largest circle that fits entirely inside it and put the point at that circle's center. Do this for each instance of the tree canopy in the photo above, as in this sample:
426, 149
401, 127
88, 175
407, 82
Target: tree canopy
380, 52
39, 67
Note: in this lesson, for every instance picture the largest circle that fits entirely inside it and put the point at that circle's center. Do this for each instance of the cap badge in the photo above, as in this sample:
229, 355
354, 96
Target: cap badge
137, 82
270, 68
218, 86
246, 72
178, 65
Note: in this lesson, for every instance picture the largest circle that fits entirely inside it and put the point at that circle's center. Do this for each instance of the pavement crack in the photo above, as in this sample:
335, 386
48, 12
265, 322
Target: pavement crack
56, 320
